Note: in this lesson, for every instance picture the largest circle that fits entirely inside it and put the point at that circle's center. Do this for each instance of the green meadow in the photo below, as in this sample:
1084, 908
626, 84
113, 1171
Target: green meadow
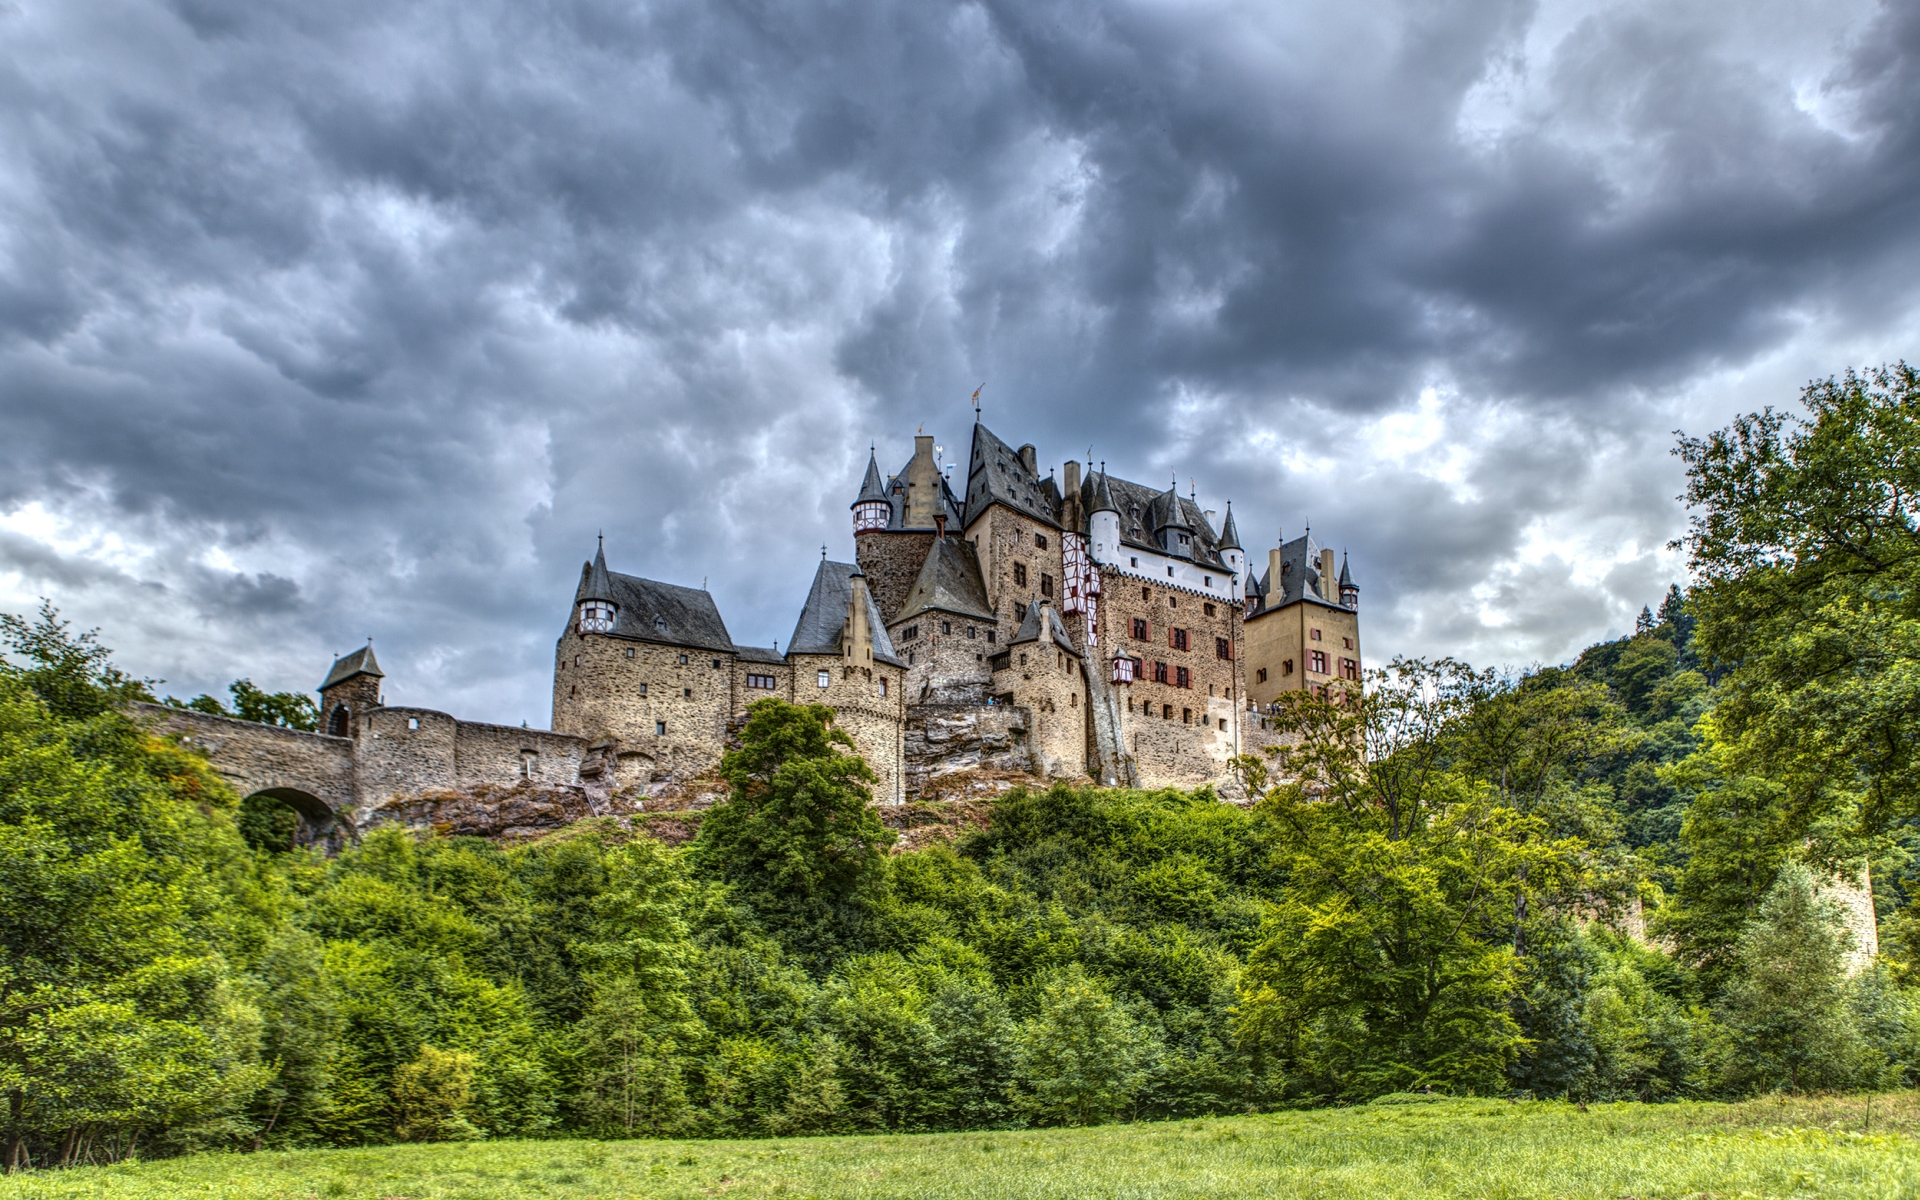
1479, 1148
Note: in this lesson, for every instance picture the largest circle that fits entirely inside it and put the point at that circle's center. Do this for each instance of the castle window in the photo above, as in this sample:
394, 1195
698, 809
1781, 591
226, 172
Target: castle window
1182, 677
1184, 539
909, 658
526, 763
629, 651
1186, 714
1286, 667
1260, 676
573, 692
1207, 608
1177, 638
1346, 643
716, 664
1140, 630
1173, 602
1317, 662
883, 687
990, 637
1166, 712
1223, 724
911, 632
765, 682
1046, 585
1146, 593
413, 722
659, 729
1315, 635
1019, 574
1222, 648
686, 693
1134, 562
1159, 672
576, 660
1040, 541
970, 632
683, 660
824, 679
643, 689
1209, 580
946, 627
339, 722
1349, 669
1169, 572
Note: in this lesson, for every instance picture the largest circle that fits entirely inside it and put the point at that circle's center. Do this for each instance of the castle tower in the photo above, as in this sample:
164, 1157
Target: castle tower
1231, 552
594, 601
870, 509
352, 689
1349, 590
1170, 527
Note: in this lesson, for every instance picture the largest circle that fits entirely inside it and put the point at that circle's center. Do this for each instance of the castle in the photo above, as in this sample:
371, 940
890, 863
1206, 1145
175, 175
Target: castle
1080, 627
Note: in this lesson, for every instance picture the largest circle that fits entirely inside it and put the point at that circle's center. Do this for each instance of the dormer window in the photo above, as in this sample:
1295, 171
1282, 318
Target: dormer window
596, 616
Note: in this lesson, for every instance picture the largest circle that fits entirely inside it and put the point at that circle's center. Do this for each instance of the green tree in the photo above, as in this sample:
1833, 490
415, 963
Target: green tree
1388, 963
1787, 1002
797, 835
1082, 1056
432, 1095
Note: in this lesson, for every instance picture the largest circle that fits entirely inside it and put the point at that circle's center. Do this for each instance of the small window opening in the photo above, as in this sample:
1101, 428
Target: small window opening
659, 729
413, 722
824, 679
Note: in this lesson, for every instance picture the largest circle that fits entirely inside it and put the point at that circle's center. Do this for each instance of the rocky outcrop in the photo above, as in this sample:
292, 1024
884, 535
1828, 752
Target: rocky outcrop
944, 740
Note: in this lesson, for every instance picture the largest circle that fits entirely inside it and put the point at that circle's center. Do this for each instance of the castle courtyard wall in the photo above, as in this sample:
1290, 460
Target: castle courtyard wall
1047, 682
670, 704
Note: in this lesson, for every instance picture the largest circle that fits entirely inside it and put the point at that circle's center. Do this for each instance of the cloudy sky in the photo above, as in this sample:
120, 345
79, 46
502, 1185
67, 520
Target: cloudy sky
327, 320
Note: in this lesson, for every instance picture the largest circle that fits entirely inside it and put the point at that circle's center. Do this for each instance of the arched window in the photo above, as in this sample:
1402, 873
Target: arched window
340, 721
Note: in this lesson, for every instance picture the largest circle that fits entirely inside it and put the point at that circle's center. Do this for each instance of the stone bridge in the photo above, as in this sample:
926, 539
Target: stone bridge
311, 773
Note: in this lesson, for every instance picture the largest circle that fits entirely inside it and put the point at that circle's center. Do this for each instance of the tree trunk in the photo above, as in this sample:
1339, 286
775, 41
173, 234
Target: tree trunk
66, 1146
15, 1102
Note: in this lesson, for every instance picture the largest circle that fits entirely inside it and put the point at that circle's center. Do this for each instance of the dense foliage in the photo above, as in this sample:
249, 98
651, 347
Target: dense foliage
1615, 879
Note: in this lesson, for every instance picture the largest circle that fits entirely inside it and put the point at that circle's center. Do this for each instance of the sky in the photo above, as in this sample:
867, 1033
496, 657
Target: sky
327, 321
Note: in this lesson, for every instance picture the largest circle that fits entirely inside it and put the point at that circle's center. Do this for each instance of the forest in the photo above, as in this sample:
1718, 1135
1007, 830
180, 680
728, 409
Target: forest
1617, 878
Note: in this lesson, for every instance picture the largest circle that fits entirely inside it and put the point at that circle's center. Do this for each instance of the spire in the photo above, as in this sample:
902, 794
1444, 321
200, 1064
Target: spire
873, 489
1169, 514
1229, 536
1346, 576
597, 585
1102, 494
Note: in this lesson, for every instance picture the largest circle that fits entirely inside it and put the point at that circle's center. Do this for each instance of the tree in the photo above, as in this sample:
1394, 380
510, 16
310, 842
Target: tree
797, 835
1805, 545
73, 675
1787, 1000
432, 1095
1082, 1056
1388, 961
289, 710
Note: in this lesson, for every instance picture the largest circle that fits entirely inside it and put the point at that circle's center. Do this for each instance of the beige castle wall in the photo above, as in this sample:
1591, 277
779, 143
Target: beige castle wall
873, 719
253, 757
945, 665
597, 694
1047, 682
1001, 538
1197, 742
1285, 635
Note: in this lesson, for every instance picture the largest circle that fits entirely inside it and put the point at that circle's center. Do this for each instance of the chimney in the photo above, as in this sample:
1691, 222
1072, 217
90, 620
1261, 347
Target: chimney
1070, 475
1328, 574
859, 640
1276, 559
1031, 459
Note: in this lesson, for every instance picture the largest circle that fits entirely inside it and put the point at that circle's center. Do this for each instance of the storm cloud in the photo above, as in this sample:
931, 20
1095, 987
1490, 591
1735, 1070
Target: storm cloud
328, 321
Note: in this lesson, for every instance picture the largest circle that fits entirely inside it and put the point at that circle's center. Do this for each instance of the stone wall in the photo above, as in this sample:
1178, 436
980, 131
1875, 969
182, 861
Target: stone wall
869, 704
311, 773
1177, 736
1046, 681
1003, 539
891, 561
668, 704
947, 740
947, 657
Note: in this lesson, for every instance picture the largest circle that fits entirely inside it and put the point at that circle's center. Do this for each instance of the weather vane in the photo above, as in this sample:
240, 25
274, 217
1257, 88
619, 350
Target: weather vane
976, 400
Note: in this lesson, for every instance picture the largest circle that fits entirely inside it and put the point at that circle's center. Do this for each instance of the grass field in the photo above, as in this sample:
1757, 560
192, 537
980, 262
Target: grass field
1817, 1147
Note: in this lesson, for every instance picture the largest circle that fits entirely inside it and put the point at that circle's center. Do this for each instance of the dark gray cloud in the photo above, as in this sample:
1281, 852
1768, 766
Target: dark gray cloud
320, 322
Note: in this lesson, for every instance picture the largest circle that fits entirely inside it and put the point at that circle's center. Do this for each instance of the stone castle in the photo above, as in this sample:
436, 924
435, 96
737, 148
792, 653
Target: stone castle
1079, 627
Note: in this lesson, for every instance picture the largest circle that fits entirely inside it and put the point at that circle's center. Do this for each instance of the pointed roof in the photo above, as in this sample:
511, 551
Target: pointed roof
996, 475
824, 617
1229, 535
1346, 576
1101, 498
1299, 577
1030, 628
873, 489
1139, 507
949, 581
360, 662
1167, 512
595, 582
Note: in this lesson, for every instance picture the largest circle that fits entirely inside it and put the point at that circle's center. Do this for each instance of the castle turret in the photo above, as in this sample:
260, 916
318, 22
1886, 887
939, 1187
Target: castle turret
870, 509
1230, 550
1103, 519
1349, 590
352, 689
594, 602
1170, 527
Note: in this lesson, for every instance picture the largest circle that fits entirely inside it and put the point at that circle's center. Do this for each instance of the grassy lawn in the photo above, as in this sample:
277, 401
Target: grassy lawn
1452, 1148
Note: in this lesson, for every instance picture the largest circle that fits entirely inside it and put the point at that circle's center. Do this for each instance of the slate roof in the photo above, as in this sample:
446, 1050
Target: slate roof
360, 662
872, 487
597, 586
1138, 504
647, 610
1229, 533
996, 474
824, 618
1099, 498
949, 581
1030, 628
759, 654
1300, 567
1346, 576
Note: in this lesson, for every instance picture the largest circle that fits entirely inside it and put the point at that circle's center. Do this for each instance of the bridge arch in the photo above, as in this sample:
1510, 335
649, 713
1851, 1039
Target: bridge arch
319, 824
